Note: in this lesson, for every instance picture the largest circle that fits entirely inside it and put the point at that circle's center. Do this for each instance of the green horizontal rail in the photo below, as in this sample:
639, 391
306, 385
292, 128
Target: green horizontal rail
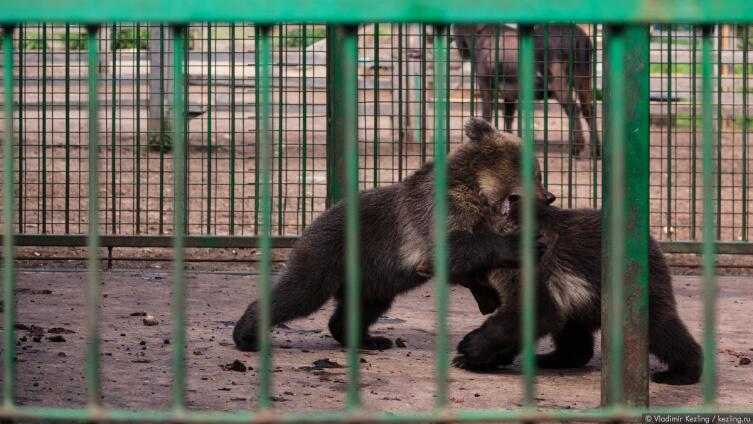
74, 240
442, 416
357, 11
77, 240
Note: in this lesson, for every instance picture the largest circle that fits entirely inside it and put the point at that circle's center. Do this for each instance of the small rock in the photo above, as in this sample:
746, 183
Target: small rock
142, 343
197, 352
400, 342
166, 341
152, 277
56, 339
745, 361
138, 314
321, 364
149, 321
35, 330
235, 366
36, 338
62, 354
364, 361
476, 395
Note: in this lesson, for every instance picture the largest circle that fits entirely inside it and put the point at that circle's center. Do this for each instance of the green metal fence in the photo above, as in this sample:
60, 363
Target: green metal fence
626, 158
395, 112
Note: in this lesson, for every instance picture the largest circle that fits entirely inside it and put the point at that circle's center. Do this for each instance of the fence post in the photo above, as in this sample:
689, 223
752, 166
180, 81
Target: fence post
160, 91
335, 141
634, 187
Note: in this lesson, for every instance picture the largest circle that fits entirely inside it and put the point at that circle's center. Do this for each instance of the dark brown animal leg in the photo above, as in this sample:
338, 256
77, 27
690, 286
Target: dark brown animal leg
558, 86
573, 348
495, 343
485, 88
510, 105
371, 311
585, 94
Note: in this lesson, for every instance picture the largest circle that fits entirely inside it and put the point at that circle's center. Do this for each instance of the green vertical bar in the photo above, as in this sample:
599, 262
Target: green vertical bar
179, 218
441, 272
693, 131
137, 153
421, 94
545, 43
472, 50
670, 121
376, 106
348, 90
718, 130
265, 245
162, 130
9, 282
528, 271
93, 292
231, 169
257, 134
210, 156
746, 115
68, 127
282, 33
495, 83
570, 112
304, 127
113, 135
636, 210
44, 129
593, 123
20, 129
613, 219
709, 299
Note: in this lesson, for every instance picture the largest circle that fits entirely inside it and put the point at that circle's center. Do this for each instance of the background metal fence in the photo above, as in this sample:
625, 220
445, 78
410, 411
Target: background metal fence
395, 79
254, 190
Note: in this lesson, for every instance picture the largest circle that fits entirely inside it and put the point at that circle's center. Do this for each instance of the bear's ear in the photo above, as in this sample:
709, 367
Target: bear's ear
479, 130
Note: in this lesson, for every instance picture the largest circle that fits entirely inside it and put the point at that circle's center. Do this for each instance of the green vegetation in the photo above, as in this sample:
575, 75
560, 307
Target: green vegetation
125, 38
33, 41
685, 120
76, 40
293, 37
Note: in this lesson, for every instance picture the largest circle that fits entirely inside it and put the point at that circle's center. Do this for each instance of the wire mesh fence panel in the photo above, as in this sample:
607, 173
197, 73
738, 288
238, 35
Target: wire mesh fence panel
396, 79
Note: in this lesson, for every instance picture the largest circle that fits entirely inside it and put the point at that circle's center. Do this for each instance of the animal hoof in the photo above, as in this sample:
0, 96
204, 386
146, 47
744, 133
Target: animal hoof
675, 378
376, 343
462, 361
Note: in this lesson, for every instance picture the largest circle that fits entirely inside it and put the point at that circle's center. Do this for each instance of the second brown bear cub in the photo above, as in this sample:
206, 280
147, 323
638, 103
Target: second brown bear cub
569, 304
396, 231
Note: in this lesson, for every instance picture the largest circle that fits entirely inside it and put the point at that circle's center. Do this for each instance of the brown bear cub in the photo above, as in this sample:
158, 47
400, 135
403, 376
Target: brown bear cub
396, 234
569, 299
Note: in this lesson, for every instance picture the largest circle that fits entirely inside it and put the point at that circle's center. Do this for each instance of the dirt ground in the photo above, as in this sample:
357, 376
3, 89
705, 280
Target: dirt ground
136, 358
